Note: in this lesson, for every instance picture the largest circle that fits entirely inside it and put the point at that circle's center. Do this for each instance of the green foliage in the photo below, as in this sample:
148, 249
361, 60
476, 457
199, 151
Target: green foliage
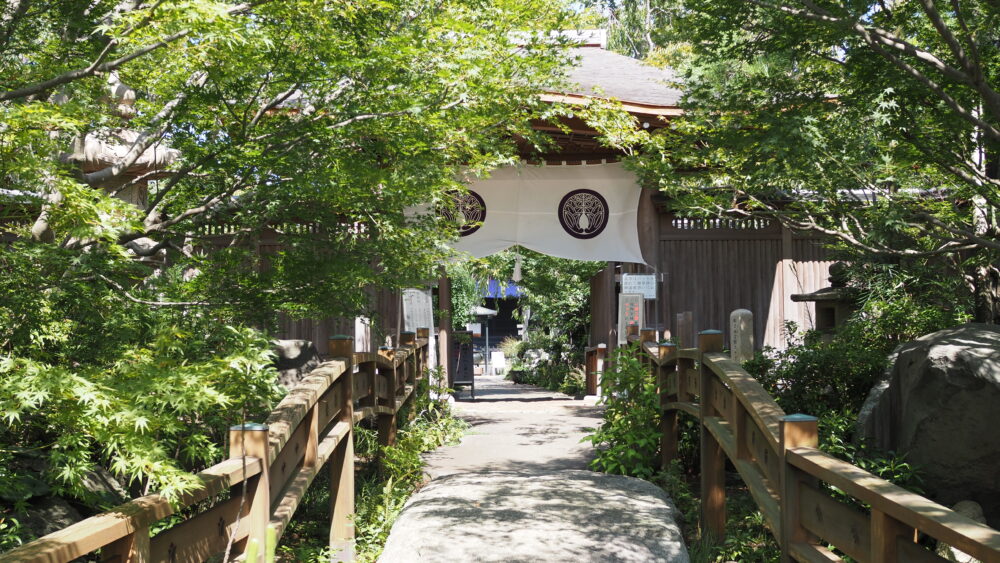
512, 348
836, 431
555, 290
150, 414
827, 118
548, 361
813, 377
898, 303
465, 294
575, 381
288, 139
747, 537
629, 438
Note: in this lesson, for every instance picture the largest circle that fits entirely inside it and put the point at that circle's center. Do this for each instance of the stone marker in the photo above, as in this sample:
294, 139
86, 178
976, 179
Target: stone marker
741, 335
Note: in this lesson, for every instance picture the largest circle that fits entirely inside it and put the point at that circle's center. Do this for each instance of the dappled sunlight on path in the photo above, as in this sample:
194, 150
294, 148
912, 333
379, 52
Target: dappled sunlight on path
517, 489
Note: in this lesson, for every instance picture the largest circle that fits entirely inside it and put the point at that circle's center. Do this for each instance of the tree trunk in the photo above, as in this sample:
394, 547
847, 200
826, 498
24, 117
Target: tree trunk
987, 294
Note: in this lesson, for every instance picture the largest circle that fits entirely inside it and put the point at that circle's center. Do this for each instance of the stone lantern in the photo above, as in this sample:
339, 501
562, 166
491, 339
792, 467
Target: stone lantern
833, 304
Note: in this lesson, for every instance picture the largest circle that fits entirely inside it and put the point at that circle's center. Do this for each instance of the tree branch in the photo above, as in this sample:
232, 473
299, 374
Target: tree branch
99, 66
134, 299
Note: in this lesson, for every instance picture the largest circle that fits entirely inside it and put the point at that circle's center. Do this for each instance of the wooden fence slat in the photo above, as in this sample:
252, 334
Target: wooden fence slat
844, 527
812, 553
206, 534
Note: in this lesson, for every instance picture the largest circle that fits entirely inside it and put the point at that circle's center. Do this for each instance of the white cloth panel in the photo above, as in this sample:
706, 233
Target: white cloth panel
522, 207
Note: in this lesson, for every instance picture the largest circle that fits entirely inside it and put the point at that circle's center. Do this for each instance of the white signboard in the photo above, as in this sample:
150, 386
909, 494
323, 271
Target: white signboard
418, 310
475, 328
640, 283
630, 312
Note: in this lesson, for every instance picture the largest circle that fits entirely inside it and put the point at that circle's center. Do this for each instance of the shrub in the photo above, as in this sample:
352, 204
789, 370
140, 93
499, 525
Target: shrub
575, 382
512, 348
628, 440
813, 377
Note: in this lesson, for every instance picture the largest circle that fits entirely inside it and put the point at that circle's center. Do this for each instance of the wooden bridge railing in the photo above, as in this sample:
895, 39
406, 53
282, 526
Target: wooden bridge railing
273, 463
778, 458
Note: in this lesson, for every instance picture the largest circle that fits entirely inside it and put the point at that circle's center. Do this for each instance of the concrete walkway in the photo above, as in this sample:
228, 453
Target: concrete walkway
517, 489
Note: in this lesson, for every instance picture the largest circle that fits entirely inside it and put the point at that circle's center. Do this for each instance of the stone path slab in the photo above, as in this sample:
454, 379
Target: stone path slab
517, 489
518, 428
568, 515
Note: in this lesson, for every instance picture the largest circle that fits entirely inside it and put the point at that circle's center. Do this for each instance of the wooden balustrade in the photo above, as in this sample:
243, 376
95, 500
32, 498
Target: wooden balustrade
777, 457
269, 469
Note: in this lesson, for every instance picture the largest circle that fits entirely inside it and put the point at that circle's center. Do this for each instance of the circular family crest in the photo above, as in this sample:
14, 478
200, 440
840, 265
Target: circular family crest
469, 212
583, 213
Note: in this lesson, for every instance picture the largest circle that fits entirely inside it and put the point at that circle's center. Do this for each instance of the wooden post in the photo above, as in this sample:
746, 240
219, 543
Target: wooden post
797, 430
647, 335
385, 422
630, 331
713, 457
366, 371
444, 328
342, 346
590, 381
311, 455
886, 532
251, 440
741, 335
685, 330
342, 471
669, 419
600, 357
407, 338
423, 333
133, 548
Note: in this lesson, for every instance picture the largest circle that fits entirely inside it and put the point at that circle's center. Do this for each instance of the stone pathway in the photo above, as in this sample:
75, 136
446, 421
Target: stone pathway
517, 489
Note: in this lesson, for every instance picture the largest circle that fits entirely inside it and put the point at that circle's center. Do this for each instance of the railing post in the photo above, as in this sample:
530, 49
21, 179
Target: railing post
668, 418
630, 331
741, 335
886, 532
386, 422
425, 334
797, 430
342, 462
713, 457
252, 440
133, 548
646, 335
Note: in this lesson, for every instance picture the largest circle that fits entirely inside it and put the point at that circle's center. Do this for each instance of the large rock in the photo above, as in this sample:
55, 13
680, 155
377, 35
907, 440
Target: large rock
295, 359
536, 517
940, 403
47, 515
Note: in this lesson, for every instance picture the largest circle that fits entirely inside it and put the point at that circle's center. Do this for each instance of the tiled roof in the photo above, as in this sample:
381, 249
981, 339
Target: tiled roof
606, 74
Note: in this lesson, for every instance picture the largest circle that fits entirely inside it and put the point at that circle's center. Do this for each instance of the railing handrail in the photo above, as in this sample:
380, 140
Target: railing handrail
297, 447
778, 458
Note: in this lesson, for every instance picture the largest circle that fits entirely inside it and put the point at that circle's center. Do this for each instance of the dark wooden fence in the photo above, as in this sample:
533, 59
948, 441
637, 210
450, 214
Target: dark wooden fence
269, 469
778, 458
